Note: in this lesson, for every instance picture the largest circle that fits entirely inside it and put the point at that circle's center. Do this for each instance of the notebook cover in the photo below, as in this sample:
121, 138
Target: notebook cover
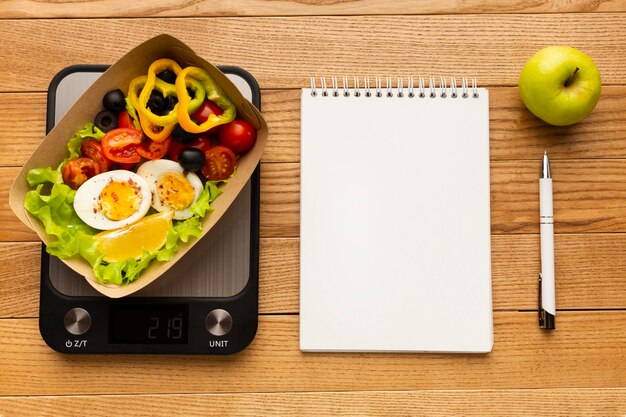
395, 224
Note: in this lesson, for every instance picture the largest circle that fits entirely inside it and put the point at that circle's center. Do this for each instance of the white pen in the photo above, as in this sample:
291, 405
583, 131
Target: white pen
547, 305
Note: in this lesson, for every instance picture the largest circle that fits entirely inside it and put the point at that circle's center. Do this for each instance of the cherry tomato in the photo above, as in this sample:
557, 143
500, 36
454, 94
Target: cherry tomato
120, 145
92, 149
150, 149
124, 120
203, 143
77, 171
220, 163
206, 109
237, 135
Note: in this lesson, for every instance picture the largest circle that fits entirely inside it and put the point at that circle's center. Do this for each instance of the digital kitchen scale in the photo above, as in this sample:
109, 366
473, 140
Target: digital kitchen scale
205, 304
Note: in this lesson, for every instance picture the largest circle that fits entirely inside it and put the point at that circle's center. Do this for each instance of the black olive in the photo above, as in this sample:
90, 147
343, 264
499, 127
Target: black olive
105, 121
191, 159
114, 101
156, 102
167, 76
170, 102
181, 135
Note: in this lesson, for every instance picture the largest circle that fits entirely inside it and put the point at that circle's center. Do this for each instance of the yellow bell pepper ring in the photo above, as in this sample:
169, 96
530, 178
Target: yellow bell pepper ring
152, 82
213, 92
154, 131
135, 87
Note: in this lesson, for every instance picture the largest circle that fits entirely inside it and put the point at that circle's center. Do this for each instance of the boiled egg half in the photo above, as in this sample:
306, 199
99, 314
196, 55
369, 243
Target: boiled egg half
173, 189
112, 199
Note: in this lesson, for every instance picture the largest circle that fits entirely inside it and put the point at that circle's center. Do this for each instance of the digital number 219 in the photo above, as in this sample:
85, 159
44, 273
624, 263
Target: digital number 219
174, 327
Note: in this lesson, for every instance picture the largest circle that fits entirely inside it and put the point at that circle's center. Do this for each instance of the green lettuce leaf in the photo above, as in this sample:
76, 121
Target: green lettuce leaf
56, 212
90, 131
210, 193
37, 176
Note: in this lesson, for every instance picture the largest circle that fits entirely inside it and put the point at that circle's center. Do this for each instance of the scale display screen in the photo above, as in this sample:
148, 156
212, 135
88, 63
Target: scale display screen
149, 324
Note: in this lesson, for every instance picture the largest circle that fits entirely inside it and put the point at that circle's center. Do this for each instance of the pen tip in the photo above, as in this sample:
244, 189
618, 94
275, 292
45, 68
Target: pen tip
545, 153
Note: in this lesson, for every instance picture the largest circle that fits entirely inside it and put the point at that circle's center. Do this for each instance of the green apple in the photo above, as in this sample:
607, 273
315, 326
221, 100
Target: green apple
560, 85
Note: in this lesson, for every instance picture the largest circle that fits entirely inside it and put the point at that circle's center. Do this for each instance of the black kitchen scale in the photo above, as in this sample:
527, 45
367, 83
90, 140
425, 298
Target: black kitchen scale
205, 304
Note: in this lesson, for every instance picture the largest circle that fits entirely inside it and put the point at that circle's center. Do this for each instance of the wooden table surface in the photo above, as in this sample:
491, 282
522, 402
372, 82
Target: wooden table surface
580, 369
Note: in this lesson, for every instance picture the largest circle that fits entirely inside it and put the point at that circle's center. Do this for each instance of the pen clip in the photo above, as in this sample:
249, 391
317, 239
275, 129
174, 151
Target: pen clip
539, 307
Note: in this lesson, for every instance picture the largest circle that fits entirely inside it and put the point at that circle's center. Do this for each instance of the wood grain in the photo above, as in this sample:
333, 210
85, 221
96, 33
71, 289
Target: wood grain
19, 279
515, 132
485, 403
181, 8
280, 203
590, 270
12, 228
283, 52
282, 43
586, 351
589, 196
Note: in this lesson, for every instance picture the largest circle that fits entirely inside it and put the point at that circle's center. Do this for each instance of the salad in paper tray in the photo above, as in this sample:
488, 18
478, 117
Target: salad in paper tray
138, 180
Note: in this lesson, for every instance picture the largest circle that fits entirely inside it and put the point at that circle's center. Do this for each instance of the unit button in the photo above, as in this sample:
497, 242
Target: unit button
77, 321
218, 322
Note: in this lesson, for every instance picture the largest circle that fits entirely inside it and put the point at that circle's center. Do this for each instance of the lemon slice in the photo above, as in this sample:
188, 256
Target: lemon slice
130, 241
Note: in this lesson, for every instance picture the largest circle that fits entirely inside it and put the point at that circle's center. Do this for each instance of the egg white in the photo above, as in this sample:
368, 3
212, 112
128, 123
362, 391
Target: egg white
88, 194
152, 170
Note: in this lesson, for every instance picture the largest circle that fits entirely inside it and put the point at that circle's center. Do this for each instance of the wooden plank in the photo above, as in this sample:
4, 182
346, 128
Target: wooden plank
518, 134
280, 200
517, 403
23, 125
280, 203
19, 279
590, 269
589, 196
185, 8
587, 350
515, 133
279, 276
283, 52
12, 228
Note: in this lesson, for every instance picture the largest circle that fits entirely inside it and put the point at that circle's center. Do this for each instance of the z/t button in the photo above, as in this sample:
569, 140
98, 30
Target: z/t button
77, 321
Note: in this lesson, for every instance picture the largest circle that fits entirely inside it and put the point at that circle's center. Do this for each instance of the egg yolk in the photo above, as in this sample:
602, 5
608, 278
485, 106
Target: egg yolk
119, 200
174, 190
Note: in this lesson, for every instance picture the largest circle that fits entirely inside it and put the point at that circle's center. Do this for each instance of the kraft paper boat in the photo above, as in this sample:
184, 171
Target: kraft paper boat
53, 149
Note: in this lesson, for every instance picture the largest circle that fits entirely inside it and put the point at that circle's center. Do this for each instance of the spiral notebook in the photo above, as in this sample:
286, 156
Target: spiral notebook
395, 221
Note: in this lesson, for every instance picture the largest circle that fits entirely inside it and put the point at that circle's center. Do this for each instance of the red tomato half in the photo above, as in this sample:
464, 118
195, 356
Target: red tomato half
120, 145
92, 149
77, 171
203, 143
237, 135
150, 149
124, 120
206, 109
220, 163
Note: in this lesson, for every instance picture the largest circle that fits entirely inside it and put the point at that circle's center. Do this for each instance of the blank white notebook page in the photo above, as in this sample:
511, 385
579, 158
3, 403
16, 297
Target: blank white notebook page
395, 223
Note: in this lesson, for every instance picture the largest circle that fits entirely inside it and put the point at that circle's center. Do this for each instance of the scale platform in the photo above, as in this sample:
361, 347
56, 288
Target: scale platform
205, 304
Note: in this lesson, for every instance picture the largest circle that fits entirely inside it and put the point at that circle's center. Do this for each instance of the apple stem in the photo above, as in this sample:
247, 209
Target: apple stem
571, 77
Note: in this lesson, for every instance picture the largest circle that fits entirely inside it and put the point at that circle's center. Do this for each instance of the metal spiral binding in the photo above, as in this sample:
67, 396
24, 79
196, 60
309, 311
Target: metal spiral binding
445, 91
